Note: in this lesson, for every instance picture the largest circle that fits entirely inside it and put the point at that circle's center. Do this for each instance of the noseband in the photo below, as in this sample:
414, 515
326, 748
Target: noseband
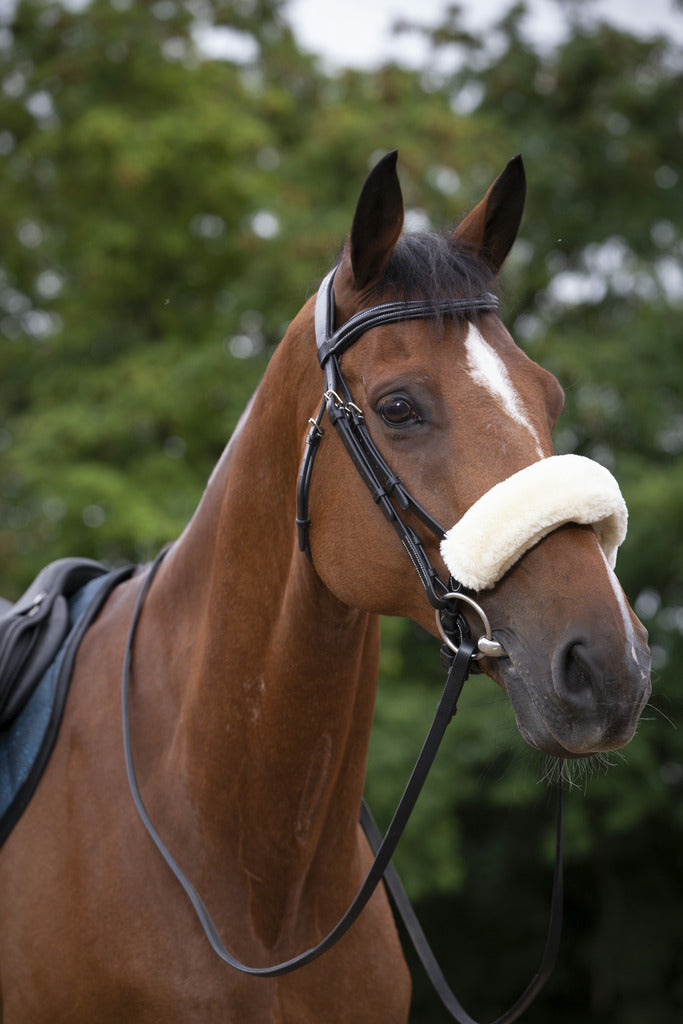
385, 486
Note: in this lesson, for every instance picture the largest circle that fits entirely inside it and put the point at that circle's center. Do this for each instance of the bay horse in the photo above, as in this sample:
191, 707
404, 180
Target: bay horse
255, 667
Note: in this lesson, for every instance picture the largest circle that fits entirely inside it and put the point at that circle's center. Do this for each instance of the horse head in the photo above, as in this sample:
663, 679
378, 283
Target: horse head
464, 418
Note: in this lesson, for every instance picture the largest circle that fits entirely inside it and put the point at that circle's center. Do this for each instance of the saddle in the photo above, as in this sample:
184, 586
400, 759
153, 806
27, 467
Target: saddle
34, 628
39, 639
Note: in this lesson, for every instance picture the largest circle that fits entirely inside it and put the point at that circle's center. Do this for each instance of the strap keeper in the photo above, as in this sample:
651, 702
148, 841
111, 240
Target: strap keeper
315, 434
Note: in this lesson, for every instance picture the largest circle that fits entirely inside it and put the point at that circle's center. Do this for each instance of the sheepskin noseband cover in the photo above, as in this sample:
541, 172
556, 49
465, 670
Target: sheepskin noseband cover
518, 512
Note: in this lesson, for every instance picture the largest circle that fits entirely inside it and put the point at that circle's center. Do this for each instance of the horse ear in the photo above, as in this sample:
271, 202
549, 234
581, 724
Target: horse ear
492, 226
377, 222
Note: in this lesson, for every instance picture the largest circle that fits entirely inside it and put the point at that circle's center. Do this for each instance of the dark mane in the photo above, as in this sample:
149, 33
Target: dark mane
431, 266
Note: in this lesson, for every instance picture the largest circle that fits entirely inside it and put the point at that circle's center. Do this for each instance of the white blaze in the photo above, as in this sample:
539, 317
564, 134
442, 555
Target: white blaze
488, 370
631, 642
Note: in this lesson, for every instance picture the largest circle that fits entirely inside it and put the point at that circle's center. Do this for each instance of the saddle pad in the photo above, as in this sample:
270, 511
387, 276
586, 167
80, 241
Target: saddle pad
26, 744
33, 629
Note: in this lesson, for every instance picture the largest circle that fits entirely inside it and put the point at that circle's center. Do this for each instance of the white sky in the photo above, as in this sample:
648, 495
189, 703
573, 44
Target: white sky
357, 33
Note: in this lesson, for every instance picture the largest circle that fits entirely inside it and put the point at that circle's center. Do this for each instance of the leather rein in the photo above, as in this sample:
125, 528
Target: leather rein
460, 648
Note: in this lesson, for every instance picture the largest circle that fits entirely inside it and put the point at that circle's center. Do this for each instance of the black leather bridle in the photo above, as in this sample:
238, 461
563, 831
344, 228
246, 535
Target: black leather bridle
348, 420
386, 488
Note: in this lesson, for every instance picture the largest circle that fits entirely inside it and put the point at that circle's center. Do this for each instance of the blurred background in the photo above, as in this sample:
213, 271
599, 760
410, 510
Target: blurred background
175, 178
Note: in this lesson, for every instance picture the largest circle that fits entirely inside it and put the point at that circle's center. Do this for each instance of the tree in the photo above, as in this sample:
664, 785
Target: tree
595, 290
125, 288
164, 215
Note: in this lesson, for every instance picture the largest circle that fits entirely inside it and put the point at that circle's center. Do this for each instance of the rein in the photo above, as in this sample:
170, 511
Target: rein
446, 709
461, 651
383, 848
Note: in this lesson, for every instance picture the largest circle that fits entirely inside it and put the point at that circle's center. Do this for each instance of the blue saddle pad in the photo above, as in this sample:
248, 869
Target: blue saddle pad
26, 744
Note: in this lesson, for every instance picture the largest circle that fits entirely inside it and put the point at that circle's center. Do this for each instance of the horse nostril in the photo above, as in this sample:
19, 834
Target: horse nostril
576, 674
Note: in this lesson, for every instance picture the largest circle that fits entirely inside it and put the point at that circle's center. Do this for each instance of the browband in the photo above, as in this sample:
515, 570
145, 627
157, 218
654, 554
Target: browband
331, 342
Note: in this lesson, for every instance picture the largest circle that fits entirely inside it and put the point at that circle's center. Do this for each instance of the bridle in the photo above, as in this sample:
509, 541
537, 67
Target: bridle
461, 650
384, 485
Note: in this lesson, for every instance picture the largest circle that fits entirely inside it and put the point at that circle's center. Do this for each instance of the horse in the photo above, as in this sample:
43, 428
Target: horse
255, 667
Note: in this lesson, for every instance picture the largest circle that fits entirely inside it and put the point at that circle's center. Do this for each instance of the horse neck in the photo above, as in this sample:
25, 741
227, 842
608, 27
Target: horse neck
269, 681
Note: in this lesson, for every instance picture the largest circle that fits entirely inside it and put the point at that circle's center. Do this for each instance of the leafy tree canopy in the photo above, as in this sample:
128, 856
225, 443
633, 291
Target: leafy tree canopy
164, 214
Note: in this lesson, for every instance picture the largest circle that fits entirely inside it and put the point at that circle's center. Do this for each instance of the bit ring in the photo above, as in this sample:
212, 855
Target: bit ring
488, 647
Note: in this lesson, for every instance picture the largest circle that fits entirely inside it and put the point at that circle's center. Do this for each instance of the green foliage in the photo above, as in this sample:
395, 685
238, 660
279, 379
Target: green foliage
164, 215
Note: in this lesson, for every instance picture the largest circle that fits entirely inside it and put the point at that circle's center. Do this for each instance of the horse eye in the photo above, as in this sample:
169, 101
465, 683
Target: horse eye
398, 411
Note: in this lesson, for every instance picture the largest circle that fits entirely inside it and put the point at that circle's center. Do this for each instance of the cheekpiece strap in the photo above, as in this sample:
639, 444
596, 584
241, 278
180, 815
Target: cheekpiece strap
349, 422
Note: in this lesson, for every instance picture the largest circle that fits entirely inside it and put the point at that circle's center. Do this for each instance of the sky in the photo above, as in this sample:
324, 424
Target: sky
357, 33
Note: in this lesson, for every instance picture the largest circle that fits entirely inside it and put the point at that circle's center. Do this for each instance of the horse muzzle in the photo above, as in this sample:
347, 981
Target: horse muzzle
588, 702
577, 664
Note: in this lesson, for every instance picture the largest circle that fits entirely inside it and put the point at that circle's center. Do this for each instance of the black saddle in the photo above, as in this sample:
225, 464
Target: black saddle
33, 629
